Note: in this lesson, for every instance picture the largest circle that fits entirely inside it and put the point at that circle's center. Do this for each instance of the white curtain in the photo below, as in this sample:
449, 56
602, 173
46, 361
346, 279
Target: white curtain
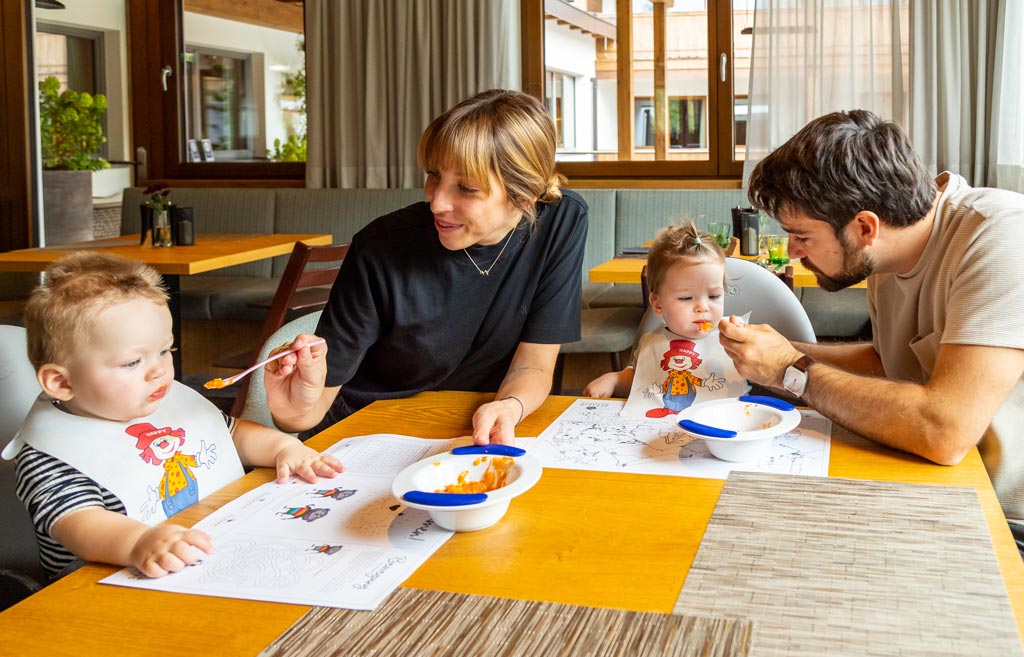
1006, 140
812, 57
379, 70
953, 79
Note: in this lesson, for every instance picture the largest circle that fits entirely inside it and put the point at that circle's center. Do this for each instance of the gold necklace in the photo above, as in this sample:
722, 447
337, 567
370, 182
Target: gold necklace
486, 272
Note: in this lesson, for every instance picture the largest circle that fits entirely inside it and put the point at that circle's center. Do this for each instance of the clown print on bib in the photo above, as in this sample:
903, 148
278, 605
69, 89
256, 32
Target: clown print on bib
672, 373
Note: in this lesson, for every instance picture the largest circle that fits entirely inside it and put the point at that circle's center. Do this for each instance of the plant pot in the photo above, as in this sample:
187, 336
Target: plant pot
67, 207
108, 182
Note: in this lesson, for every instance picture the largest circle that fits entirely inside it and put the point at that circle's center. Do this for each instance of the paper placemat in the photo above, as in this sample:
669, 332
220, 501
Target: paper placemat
847, 567
439, 624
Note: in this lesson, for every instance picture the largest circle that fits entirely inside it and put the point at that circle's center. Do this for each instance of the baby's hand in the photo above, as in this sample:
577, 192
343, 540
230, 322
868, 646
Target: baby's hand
306, 463
602, 386
167, 549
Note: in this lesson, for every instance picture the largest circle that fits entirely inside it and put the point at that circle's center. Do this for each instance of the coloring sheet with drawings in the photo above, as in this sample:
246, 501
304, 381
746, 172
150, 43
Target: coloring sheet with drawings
342, 542
591, 435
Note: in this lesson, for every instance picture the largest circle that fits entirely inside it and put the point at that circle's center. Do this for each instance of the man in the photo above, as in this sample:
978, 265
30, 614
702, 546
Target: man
943, 263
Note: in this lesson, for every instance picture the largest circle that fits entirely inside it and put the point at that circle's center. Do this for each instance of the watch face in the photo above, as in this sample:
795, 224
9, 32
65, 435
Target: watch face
794, 380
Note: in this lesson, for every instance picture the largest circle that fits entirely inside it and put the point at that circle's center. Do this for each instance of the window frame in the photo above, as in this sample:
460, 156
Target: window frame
721, 163
155, 40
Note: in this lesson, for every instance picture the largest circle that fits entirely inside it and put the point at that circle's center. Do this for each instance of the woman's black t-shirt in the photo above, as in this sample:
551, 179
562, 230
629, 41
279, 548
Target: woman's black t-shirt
407, 315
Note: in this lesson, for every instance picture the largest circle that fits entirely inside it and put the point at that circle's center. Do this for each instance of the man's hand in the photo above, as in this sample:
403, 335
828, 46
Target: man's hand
759, 352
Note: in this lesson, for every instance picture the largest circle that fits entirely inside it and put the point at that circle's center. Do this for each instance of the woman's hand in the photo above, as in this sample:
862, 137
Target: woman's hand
306, 463
295, 382
167, 549
495, 422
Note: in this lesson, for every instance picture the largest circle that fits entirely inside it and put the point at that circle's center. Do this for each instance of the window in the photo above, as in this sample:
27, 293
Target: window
687, 129
664, 77
560, 93
71, 55
231, 72
219, 98
739, 124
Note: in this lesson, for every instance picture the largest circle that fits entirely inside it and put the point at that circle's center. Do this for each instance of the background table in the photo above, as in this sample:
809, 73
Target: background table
586, 538
209, 253
627, 270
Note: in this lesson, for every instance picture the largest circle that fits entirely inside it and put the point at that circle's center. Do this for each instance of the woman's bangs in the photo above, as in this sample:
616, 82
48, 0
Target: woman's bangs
464, 149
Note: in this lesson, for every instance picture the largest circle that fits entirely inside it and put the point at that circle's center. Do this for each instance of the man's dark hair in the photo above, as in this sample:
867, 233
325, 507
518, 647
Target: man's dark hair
840, 164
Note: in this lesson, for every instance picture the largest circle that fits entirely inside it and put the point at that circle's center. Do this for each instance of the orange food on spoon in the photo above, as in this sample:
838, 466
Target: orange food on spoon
705, 326
214, 383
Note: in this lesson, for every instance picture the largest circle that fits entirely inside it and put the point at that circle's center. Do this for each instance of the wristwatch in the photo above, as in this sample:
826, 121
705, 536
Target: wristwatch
795, 378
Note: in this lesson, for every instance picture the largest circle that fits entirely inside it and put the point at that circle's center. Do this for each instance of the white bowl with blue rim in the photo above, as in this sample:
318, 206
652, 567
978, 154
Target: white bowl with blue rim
417, 484
739, 428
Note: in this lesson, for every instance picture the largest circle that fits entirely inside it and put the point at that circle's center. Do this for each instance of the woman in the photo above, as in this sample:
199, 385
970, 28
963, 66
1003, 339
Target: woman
474, 289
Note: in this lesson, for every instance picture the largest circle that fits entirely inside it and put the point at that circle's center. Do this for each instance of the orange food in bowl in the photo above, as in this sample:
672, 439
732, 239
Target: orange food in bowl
495, 477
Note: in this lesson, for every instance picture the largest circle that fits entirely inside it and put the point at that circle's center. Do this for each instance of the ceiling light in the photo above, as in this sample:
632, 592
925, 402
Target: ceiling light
49, 4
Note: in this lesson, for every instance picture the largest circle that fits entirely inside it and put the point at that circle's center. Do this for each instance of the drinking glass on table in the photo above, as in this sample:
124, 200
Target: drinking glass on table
778, 249
763, 255
720, 231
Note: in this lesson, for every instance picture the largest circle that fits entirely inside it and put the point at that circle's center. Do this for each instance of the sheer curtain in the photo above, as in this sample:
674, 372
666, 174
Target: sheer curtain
812, 57
953, 82
379, 70
1006, 140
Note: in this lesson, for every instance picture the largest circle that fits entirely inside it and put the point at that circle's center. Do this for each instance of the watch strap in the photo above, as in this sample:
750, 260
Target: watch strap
804, 363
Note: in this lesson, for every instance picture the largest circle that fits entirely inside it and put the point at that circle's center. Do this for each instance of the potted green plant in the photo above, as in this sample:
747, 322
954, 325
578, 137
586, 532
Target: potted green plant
71, 135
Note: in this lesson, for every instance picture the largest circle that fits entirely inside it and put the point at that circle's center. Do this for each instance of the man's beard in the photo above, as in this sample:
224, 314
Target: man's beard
857, 265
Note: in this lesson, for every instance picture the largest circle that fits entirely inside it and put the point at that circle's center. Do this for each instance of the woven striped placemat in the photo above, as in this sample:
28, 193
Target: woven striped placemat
438, 624
846, 567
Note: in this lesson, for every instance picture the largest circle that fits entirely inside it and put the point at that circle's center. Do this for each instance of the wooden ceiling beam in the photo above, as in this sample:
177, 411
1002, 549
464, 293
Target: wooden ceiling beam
267, 13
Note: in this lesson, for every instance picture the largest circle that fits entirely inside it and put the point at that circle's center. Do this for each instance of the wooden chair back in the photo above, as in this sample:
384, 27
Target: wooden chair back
302, 289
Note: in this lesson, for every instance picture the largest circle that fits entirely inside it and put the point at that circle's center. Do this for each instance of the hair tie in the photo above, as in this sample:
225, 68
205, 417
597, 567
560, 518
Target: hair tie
696, 240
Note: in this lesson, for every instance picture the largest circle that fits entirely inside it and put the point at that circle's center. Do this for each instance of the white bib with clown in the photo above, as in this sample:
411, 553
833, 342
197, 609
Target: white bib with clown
673, 373
156, 465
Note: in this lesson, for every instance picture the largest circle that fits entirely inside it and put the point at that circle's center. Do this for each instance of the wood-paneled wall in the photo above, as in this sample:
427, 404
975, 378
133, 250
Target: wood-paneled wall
16, 209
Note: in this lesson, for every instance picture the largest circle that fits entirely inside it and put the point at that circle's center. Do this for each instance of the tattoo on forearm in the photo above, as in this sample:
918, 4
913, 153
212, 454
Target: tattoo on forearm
525, 368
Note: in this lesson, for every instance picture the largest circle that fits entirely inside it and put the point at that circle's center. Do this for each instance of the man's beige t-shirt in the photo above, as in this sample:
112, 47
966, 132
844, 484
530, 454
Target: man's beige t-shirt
967, 288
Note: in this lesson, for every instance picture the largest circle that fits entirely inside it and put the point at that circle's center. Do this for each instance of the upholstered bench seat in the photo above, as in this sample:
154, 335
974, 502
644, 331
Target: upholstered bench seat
608, 295
606, 330
618, 218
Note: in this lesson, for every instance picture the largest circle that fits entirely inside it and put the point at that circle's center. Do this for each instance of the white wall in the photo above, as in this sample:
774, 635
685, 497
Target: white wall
570, 51
278, 48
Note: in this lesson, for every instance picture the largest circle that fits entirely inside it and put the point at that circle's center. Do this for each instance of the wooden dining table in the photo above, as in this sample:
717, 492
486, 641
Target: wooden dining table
627, 269
209, 253
596, 539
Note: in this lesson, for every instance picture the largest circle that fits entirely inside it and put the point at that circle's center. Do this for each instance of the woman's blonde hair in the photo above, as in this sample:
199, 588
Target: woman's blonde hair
680, 243
505, 133
60, 313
